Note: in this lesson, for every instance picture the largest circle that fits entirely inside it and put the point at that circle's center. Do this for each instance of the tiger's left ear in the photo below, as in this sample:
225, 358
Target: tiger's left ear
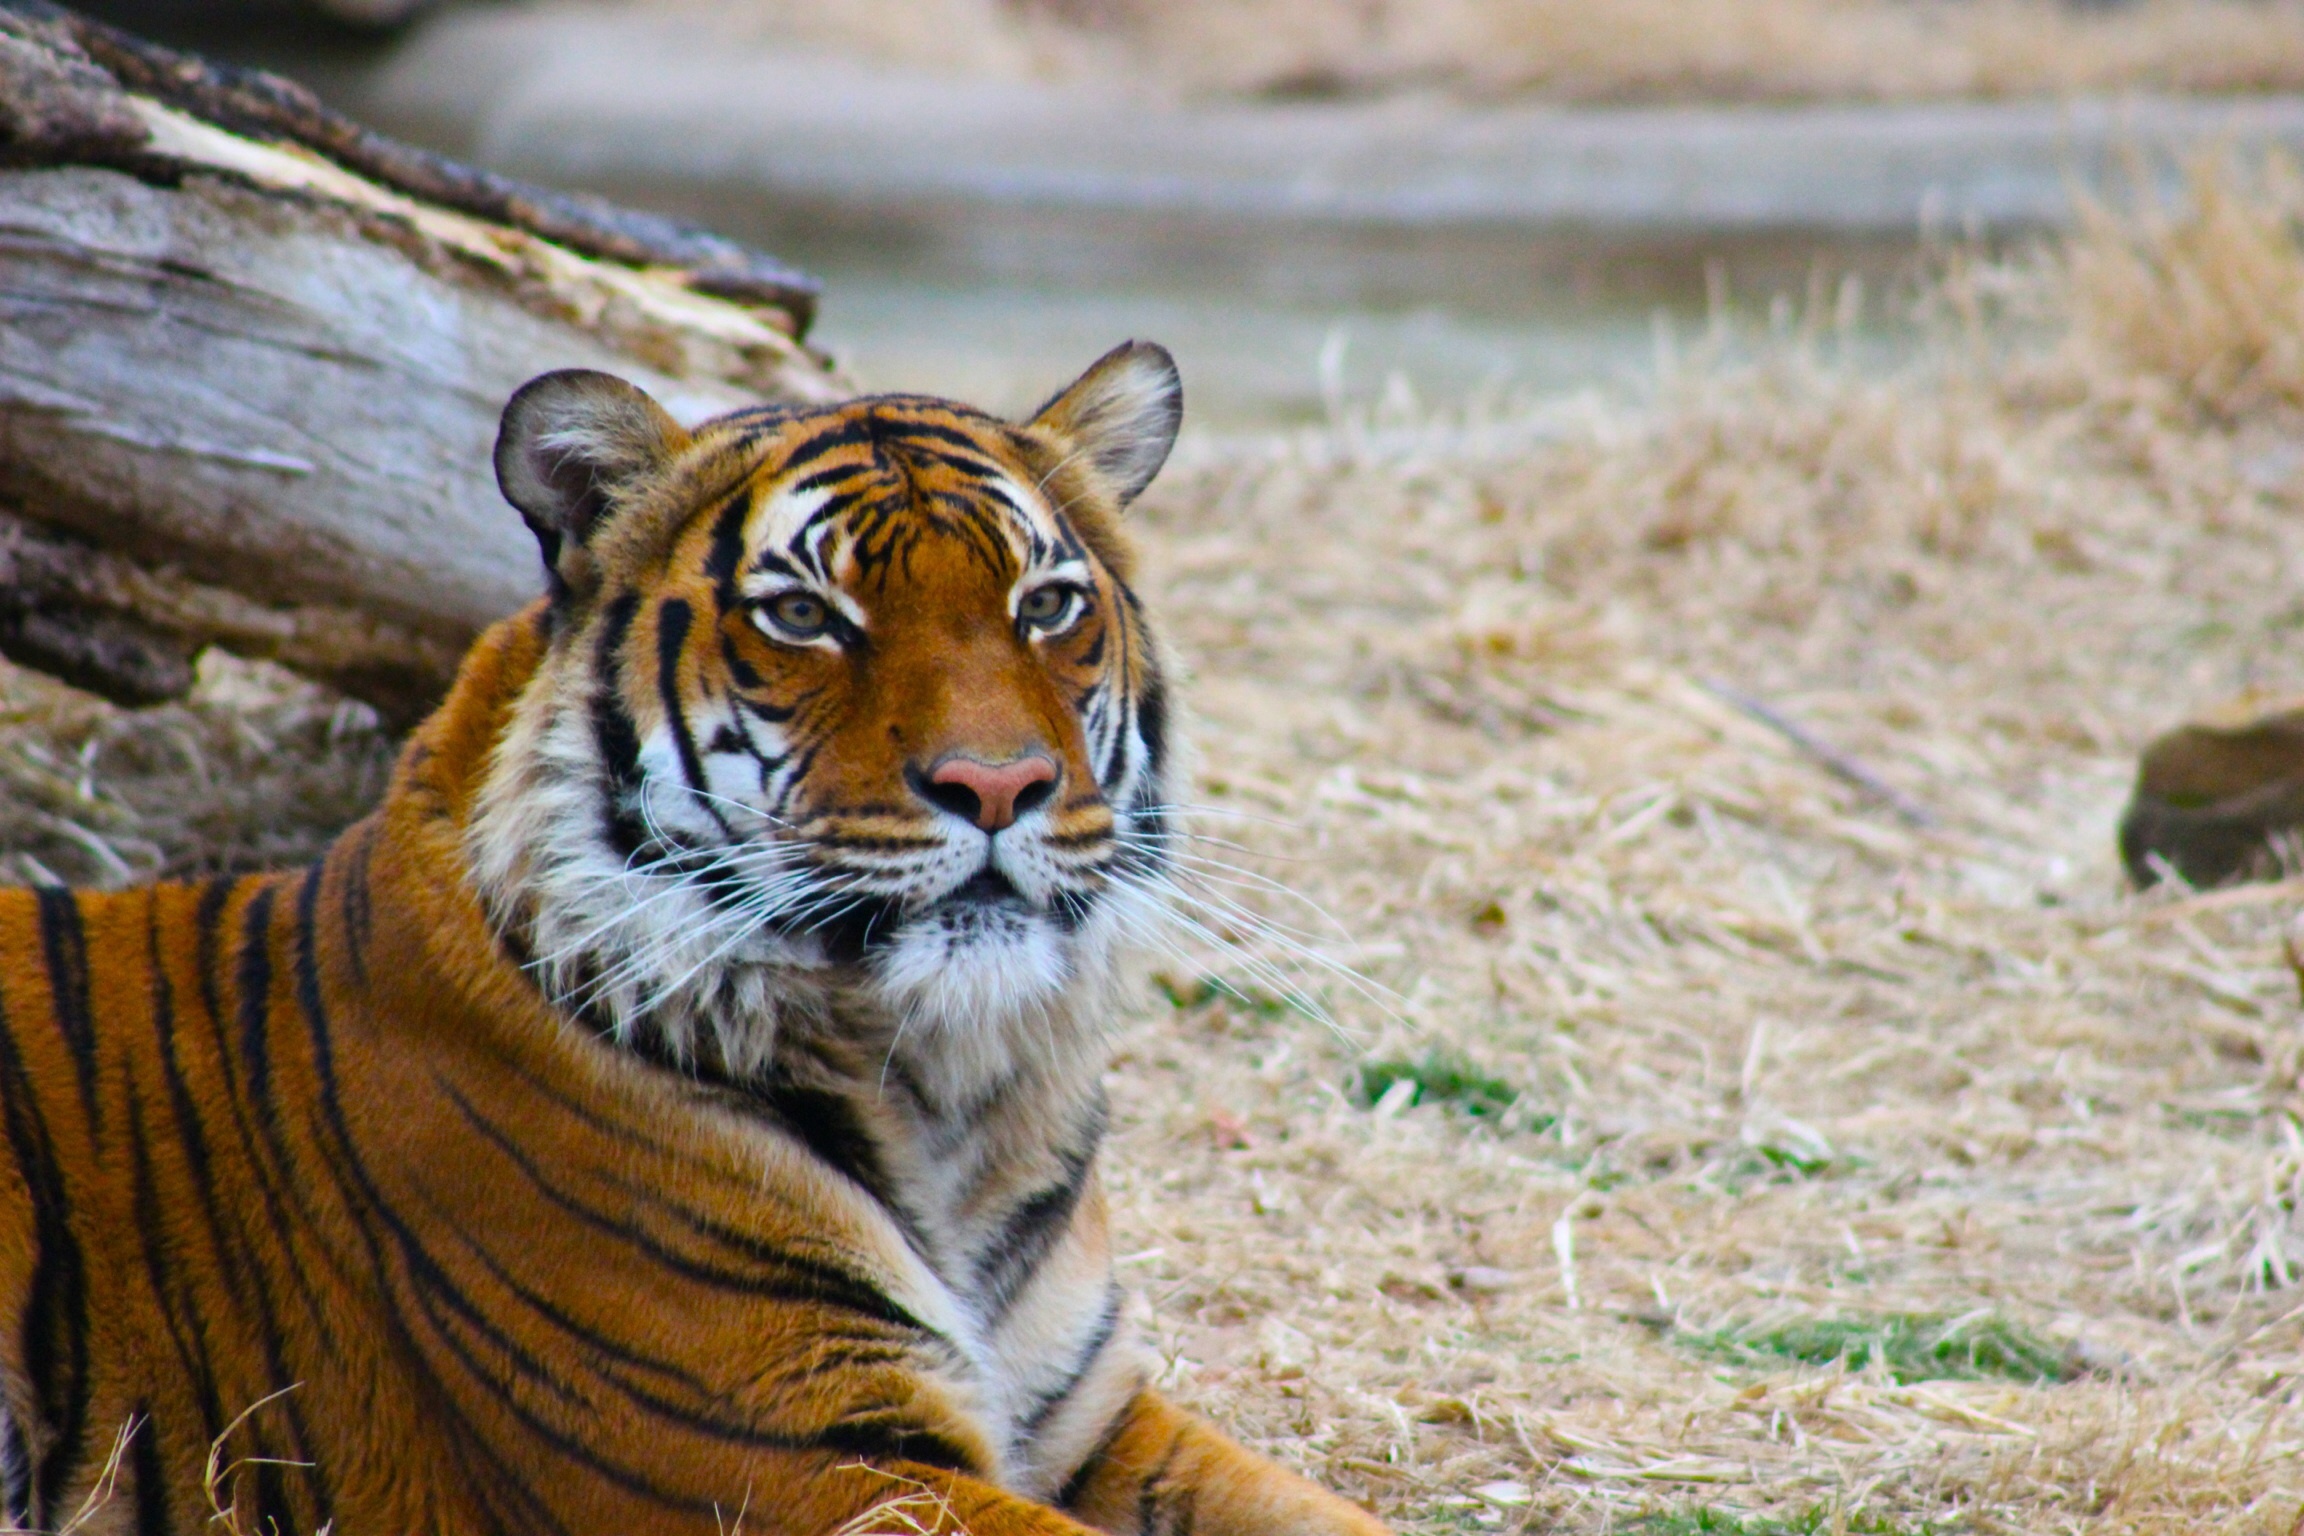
1121, 416
572, 446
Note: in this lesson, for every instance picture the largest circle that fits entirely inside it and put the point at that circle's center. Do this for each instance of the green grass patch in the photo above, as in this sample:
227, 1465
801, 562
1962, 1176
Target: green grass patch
1784, 1159
1819, 1521
1440, 1078
1771, 1163
1912, 1346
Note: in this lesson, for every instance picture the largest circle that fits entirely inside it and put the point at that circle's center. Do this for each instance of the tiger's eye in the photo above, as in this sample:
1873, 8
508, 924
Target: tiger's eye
800, 614
1045, 606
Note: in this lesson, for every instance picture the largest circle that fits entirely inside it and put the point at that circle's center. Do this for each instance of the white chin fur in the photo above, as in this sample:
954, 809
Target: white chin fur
974, 966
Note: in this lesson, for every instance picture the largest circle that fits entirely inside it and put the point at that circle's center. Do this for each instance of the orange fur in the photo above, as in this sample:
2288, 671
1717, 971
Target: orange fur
317, 1145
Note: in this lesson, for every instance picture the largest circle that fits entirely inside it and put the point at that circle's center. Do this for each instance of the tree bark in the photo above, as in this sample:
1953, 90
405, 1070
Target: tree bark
252, 358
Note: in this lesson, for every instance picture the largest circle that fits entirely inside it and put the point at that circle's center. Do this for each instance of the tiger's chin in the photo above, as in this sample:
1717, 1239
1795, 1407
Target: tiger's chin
968, 965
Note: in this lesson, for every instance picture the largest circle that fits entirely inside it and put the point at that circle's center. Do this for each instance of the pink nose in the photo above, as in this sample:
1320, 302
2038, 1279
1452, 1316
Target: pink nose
992, 797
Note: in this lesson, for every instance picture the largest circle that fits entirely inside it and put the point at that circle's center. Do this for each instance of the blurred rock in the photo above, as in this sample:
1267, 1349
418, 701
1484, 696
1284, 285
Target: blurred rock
2214, 798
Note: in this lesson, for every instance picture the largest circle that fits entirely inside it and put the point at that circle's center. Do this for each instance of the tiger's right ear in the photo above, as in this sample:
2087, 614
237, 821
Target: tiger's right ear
571, 445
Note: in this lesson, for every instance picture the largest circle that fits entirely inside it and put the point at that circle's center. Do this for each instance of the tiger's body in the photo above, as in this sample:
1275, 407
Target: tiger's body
678, 1105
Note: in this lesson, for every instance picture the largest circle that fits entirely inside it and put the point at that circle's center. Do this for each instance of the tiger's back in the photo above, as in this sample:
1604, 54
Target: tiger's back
442, 1187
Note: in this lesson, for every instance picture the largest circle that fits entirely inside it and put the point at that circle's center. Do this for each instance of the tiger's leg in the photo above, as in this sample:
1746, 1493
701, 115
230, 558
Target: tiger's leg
1164, 1472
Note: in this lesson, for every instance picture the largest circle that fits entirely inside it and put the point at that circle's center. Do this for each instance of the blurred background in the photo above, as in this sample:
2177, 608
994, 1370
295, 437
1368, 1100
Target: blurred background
1690, 511
1308, 199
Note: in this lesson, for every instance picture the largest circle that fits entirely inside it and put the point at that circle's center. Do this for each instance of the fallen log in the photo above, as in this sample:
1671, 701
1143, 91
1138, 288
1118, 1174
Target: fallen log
252, 358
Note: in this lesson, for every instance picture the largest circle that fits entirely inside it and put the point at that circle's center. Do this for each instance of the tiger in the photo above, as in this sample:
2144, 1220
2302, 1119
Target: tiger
677, 1107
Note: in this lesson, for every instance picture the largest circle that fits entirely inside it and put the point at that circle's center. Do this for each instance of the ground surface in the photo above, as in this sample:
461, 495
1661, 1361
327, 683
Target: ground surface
1714, 1141
1869, 1156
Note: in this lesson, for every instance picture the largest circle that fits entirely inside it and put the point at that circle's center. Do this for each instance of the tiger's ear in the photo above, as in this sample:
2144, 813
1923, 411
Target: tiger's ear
1121, 416
572, 442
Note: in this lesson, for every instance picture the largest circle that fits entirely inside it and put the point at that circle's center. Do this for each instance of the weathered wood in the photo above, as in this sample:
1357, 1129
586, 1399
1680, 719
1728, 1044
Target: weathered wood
268, 107
253, 391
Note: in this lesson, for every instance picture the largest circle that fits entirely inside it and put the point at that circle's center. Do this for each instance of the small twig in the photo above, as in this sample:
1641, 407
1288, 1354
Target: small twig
1828, 757
218, 1472
107, 1484
2238, 897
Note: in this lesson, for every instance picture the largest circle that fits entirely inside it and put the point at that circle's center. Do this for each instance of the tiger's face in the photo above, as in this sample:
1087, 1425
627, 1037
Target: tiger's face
843, 708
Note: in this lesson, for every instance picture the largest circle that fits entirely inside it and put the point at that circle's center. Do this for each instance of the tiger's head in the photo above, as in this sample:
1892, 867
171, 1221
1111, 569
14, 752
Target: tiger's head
847, 712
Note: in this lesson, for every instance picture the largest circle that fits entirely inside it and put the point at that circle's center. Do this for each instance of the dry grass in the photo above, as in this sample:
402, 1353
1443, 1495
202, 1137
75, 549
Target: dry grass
257, 768
1583, 50
2207, 300
1803, 1157
1787, 1064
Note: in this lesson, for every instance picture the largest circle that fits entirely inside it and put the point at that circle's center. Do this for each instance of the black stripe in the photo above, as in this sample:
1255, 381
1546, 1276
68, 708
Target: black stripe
1114, 768
433, 1286
254, 980
673, 619
914, 429
616, 1130
831, 1129
435, 1292
592, 1339
972, 461
727, 552
1149, 1494
266, 1171
797, 1279
984, 535
254, 975
849, 927
54, 1338
821, 480
846, 432
207, 920
1107, 1324
612, 729
850, 842
894, 404
354, 902
897, 1442
1093, 1462
151, 1481
553, 1431
179, 1311
626, 1134
760, 709
744, 674
64, 947
774, 564
264, 1160
606, 1355
519, 944
191, 1134
1152, 726
1038, 1223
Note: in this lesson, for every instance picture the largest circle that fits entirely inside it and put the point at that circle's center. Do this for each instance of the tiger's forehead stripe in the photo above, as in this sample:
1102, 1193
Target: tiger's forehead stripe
869, 490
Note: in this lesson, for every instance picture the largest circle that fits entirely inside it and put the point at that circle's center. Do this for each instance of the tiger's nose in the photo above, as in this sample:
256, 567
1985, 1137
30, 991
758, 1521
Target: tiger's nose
992, 796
